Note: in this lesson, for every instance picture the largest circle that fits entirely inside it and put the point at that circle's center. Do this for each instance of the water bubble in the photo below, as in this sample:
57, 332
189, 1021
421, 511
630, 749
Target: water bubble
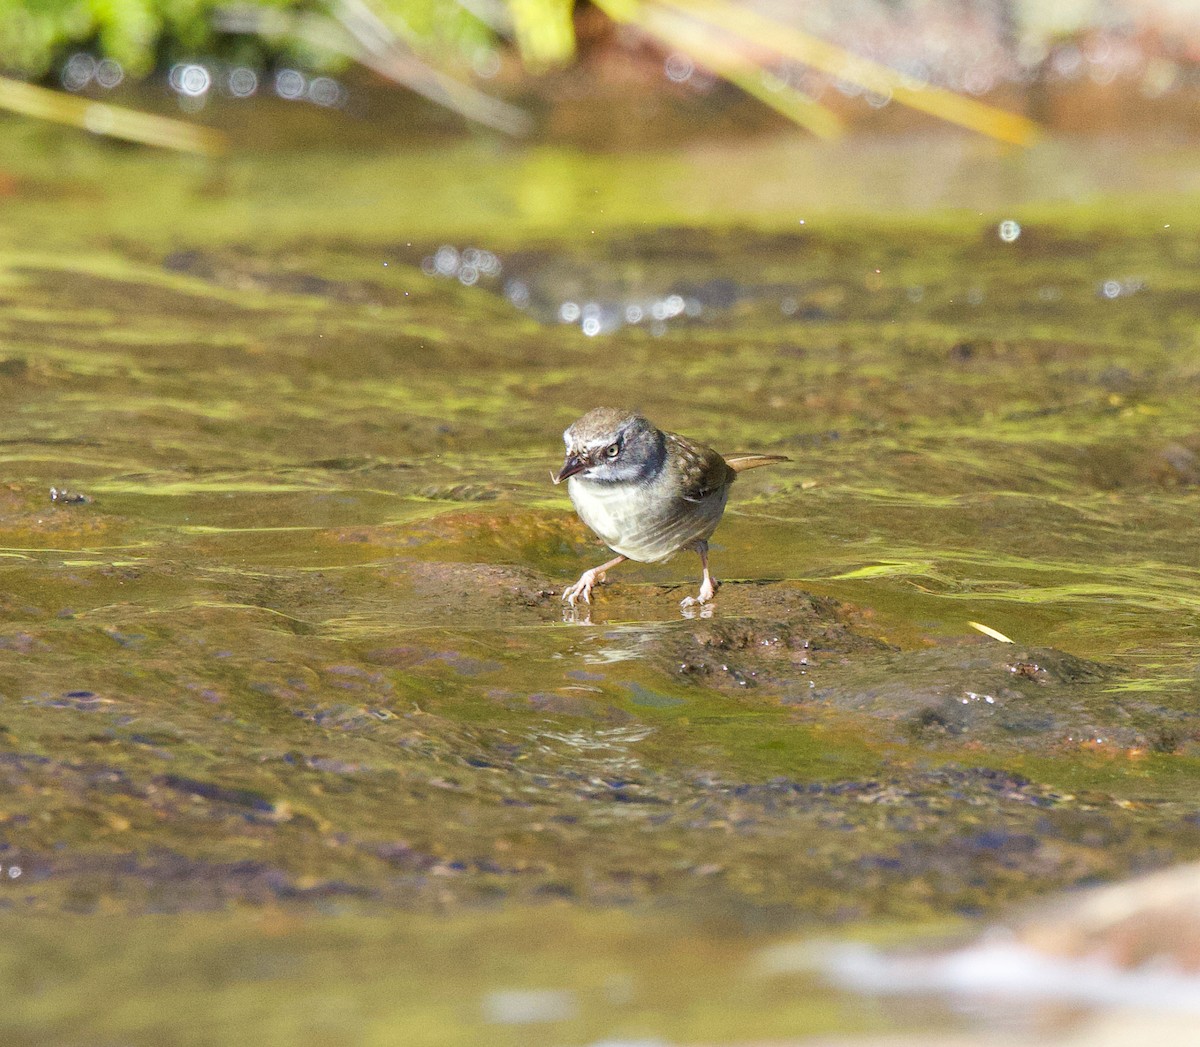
679, 67
692, 307
877, 100
429, 266
591, 326
789, 306
243, 82
517, 292
468, 275
591, 311
915, 294
289, 84
975, 296
1067, 61
109, 73
674, 304
327, 92
193, 80
446, 260
569, 312
78, 71
14, 871
634, 314
658, 310
1121, 288
1009, 230
1099, 51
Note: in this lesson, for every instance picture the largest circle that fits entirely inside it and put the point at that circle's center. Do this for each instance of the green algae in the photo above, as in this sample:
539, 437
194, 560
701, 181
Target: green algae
301, 656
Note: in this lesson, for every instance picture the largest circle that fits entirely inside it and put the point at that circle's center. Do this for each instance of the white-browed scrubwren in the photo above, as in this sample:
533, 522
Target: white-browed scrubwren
646, 493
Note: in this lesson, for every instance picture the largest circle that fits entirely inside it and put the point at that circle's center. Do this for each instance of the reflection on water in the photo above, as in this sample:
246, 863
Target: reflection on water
622, 644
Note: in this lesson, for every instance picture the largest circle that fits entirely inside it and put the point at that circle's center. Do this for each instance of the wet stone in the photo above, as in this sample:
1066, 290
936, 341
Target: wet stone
218, 793
246, 273
766, 635
982, 692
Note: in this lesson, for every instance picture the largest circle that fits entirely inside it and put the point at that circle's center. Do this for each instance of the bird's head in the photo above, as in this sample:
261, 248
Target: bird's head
607, 445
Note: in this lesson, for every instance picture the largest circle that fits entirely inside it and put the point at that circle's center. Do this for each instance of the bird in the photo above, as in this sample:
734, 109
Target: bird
646, 493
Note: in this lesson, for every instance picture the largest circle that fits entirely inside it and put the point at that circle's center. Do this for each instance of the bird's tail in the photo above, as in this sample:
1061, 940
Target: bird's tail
741, 462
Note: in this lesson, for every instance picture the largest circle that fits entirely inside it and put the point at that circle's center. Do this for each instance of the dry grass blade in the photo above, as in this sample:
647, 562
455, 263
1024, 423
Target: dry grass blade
113, 121
383, 51
715, 51
361, 35
791, 43
987, 630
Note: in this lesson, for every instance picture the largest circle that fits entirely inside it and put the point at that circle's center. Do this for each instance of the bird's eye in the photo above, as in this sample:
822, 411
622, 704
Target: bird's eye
612, 450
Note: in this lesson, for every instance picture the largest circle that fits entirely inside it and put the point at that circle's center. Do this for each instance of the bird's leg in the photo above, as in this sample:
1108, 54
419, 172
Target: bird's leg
588, 580
708, 584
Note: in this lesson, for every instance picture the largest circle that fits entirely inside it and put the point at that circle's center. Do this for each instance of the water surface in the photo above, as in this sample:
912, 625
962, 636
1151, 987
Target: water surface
285, 682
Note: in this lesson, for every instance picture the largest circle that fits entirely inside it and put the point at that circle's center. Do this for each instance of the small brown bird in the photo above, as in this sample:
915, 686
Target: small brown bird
645, 492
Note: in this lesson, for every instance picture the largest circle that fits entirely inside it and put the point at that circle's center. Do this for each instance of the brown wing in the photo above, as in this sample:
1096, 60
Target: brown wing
701, 470
739, 463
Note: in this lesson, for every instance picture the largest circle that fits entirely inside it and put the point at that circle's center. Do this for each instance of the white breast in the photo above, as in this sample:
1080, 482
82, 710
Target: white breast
643, 522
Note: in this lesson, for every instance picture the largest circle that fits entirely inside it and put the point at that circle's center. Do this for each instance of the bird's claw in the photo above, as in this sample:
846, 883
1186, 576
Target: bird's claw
582, 589
708, 590
577, 592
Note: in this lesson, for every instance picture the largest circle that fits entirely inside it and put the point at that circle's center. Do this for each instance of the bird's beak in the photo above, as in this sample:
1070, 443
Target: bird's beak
574, 464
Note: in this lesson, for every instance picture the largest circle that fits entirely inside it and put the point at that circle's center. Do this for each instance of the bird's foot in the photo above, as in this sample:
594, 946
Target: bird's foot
582, 589
708, 589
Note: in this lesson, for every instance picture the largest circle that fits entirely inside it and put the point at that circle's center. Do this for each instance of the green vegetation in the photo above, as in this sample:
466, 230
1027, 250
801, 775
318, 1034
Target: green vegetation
423, 45
34, 37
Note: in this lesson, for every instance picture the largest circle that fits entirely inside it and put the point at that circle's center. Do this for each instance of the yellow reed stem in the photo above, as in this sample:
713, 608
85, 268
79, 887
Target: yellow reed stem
714, 51
113, 121
789, 42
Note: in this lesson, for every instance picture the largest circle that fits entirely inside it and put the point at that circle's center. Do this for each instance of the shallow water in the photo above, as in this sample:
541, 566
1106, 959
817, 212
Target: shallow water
284, 674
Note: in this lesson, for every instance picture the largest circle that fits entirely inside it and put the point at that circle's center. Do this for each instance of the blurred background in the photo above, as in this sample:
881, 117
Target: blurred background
619, 73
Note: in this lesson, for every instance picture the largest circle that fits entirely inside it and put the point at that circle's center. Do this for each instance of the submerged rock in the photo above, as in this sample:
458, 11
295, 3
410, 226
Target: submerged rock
983, 692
